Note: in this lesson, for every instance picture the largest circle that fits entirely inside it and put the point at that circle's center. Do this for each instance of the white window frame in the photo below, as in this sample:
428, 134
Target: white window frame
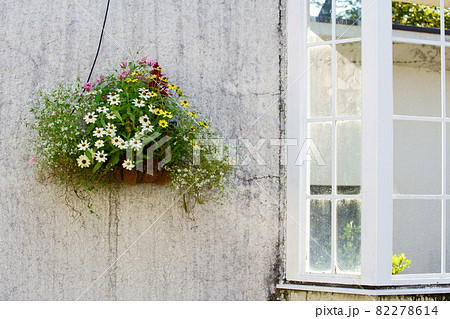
377, 151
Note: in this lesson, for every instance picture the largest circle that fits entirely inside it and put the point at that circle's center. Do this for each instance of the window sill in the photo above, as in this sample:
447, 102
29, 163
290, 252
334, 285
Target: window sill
371, 290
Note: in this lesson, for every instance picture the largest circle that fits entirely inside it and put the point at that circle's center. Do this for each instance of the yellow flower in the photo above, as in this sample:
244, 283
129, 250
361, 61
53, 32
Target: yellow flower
154, 76
203, 124
168, 114
193, 114
172, 86
158, 112
184, 103
163, 79
180, 91
153, 94
163, 123
194, 145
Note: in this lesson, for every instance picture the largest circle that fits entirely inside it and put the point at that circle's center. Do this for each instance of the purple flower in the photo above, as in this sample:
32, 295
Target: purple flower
123, 75
33, 159
123, 65
146, 60
88, 86
101, 78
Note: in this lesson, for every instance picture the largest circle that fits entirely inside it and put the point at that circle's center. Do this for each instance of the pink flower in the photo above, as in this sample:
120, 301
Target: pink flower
123, 65
101, 78
123, 75
88, 86
146, 60
33, 159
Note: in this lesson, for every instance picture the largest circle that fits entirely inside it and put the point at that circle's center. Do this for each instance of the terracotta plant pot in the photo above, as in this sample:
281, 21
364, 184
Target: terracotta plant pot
133, 177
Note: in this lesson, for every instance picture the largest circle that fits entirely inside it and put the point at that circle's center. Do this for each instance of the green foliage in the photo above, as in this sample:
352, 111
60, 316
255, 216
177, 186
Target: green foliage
349, 248
83, 136
418, 15
399, 263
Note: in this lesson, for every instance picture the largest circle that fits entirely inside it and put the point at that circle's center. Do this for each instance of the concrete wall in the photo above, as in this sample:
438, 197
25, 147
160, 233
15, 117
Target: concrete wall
226, 57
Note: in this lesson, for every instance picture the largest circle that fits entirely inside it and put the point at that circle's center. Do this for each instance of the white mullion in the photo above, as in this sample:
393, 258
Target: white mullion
337, 118
444, 142
333, 197
418, 118
416, 196
333, 137
416, 41
336, 41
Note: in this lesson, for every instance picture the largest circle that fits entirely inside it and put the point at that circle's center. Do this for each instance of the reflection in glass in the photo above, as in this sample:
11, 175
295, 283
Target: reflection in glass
417, 157
417, 234
320, 175
320, 233
319, 28
319, 81
447, 238
417, 79
348, 18
349, 235
417, 15
348, 90
348, 156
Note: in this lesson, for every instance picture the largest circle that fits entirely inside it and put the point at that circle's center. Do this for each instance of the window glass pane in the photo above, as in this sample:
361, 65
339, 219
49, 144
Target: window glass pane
348, 79
417, 79
319, 81
348, 18
319, 28
447, 82
320, 175
417, 234
417, 21
320, 233
417, 157
348, 155
447, 238
349, 235
447, 141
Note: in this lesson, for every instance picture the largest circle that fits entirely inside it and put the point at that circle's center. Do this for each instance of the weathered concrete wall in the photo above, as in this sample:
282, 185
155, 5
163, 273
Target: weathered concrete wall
225, 55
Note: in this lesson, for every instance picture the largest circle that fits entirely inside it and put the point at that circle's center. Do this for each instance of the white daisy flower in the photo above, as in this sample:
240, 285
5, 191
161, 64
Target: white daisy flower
101, 156
90, 118
110, 116
102, 109
111, 127
83, 161
138, 103
84, 145
123, 145
151, 108
144, 95
147, 128
135, 144
99, 132
119, 90
144, 119
111, 95
99, 143
110, 133
114, 101
116, 141
128, 164
143, 90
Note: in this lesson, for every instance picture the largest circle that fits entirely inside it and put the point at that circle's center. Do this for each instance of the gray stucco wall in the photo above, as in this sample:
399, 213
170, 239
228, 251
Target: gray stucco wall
225, 55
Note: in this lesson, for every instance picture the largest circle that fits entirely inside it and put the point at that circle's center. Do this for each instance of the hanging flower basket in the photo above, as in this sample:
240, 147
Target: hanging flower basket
130, 126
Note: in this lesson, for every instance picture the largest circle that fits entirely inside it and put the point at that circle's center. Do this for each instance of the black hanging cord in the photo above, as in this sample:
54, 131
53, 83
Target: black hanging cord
99, 42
